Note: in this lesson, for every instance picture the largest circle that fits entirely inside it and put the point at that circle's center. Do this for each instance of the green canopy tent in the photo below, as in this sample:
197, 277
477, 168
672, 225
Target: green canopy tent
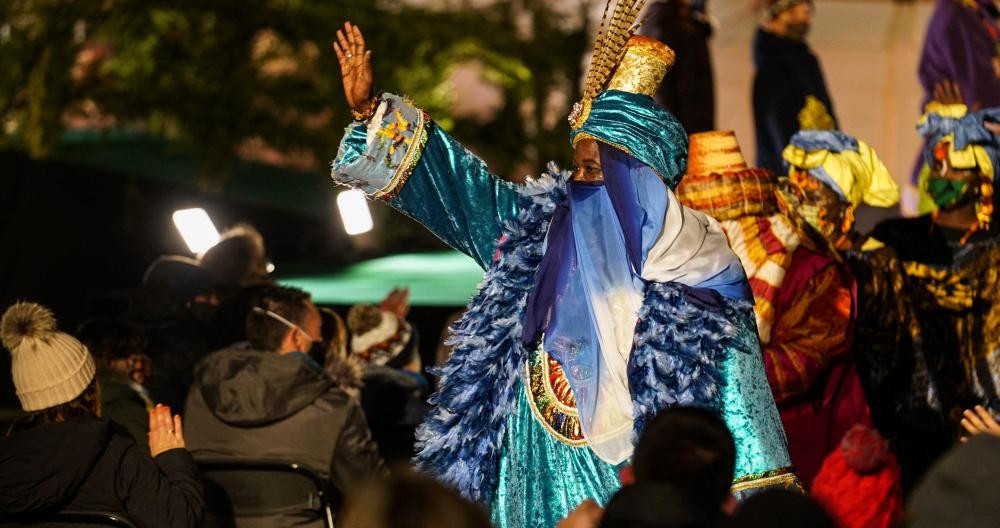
435, 279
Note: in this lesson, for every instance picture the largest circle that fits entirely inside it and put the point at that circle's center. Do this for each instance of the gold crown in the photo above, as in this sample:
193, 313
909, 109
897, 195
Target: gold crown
642, 68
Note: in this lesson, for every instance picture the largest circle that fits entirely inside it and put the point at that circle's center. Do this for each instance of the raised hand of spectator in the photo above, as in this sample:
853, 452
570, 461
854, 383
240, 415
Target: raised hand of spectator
397, 302
587, 515
980, 421
165, 432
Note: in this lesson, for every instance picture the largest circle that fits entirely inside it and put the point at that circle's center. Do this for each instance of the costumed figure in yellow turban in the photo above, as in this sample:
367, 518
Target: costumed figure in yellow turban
933, 294
803, 296
604, 300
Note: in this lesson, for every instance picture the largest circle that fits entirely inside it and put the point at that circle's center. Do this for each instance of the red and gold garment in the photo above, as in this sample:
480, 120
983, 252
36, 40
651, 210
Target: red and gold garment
804, 302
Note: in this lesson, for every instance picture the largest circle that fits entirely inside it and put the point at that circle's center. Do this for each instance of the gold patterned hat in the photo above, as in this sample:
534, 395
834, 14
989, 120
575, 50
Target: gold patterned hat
719, 182
714, 152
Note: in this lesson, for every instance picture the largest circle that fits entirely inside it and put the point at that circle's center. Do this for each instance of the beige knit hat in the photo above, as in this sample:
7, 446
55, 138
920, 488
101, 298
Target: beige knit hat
49, 367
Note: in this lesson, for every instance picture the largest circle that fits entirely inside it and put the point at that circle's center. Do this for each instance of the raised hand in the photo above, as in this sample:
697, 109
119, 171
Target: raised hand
979, 421
397, 302
165, 432
355, 66
948, 92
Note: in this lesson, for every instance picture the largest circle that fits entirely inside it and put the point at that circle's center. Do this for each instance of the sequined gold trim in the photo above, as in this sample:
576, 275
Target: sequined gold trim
784, 477
410, 160
552, 401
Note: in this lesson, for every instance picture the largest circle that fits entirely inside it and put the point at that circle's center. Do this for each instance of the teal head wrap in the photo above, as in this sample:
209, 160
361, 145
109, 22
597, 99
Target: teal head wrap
636, 125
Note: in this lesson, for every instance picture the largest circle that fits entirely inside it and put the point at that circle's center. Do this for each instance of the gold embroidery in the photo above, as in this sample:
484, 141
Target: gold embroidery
784, 477
552, 401
415, 145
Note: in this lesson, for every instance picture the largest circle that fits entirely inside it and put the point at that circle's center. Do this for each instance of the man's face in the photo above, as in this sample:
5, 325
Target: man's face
947, 171
313, 326
800, 13
587, 159
794, 22
821, 206
949, 187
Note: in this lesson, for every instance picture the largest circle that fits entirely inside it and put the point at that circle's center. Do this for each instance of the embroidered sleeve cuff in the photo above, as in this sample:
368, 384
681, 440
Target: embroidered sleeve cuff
379, 159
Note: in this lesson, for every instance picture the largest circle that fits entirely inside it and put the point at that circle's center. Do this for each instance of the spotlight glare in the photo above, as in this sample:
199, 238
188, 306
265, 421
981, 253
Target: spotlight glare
197, 229
354, 212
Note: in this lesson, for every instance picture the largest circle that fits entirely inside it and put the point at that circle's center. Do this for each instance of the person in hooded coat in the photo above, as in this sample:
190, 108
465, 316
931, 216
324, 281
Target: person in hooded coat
789, 90
63, 456
269, 399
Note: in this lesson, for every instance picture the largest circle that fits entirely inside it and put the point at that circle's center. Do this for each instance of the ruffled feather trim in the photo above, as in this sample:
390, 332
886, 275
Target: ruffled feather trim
680, 345
461, 440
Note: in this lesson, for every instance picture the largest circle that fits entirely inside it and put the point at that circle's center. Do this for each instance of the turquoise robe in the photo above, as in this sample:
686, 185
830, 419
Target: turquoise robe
402, 157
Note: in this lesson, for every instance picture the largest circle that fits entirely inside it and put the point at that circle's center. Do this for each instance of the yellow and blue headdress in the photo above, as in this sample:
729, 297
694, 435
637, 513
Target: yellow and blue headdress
961, 140
845, 164
970, 145
618, 109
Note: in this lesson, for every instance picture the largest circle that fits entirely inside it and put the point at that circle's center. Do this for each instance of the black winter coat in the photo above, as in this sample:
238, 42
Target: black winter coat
787, 73
252, 404
92, 465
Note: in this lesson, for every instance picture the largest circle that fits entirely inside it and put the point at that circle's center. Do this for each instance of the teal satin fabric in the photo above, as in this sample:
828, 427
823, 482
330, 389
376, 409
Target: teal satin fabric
749, 410
636, 124
543, 479
452, 193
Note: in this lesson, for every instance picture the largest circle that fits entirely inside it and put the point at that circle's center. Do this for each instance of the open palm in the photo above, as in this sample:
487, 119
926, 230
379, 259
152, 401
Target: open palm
355, 65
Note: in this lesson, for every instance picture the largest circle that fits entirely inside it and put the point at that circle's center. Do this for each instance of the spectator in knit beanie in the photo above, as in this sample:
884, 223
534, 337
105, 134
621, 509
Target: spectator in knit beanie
395, 389
859, 482
62, 456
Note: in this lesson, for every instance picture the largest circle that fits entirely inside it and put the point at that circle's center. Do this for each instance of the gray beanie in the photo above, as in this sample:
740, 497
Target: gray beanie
49, 367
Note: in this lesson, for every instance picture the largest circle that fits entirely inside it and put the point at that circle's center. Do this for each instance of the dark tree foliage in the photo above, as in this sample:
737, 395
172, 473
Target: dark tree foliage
222, 78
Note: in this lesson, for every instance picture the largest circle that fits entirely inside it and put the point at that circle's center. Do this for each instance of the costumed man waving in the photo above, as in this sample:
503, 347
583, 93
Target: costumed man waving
607, 300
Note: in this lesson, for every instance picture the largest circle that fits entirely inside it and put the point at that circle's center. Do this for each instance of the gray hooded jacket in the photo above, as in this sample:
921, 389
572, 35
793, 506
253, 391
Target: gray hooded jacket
260, 405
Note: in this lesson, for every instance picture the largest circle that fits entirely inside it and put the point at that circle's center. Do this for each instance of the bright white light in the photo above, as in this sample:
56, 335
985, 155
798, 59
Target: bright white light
354, 212
270, 267
197, 229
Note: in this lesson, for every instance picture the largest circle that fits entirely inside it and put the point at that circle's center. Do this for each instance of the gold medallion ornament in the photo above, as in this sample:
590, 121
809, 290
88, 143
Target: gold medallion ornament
552, 401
